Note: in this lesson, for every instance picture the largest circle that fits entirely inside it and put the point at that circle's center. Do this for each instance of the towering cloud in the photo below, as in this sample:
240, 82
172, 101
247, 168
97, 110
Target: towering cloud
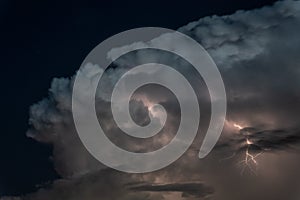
257, 53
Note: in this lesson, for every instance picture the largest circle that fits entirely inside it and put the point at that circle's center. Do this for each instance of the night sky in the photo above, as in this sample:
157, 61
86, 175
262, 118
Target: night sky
41, 40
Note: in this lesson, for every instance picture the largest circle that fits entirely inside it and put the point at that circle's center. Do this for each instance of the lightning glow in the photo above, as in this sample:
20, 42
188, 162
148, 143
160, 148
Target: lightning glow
249, 142
250, 162
238, 126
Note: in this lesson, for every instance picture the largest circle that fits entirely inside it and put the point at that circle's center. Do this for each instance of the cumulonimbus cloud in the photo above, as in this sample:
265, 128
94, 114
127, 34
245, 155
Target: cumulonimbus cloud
257, 53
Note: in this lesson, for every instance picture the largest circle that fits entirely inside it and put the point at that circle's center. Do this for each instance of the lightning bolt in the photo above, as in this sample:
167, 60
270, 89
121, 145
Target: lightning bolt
250, 161
238, 126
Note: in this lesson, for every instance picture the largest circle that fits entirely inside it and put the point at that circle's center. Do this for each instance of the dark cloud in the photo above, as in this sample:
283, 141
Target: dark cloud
199, 190
275, 139
263, 140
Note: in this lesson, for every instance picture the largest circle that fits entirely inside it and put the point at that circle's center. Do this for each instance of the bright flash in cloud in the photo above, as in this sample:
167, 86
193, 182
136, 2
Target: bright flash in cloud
238, 126
250, 161
249, 142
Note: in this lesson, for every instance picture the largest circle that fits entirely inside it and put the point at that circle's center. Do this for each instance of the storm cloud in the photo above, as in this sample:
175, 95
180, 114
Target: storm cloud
257, 53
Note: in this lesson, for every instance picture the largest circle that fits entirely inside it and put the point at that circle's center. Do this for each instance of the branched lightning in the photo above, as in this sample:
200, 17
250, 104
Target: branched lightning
250, 161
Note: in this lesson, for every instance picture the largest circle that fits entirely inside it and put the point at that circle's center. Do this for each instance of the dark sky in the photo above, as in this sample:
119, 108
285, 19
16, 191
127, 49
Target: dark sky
45, 39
